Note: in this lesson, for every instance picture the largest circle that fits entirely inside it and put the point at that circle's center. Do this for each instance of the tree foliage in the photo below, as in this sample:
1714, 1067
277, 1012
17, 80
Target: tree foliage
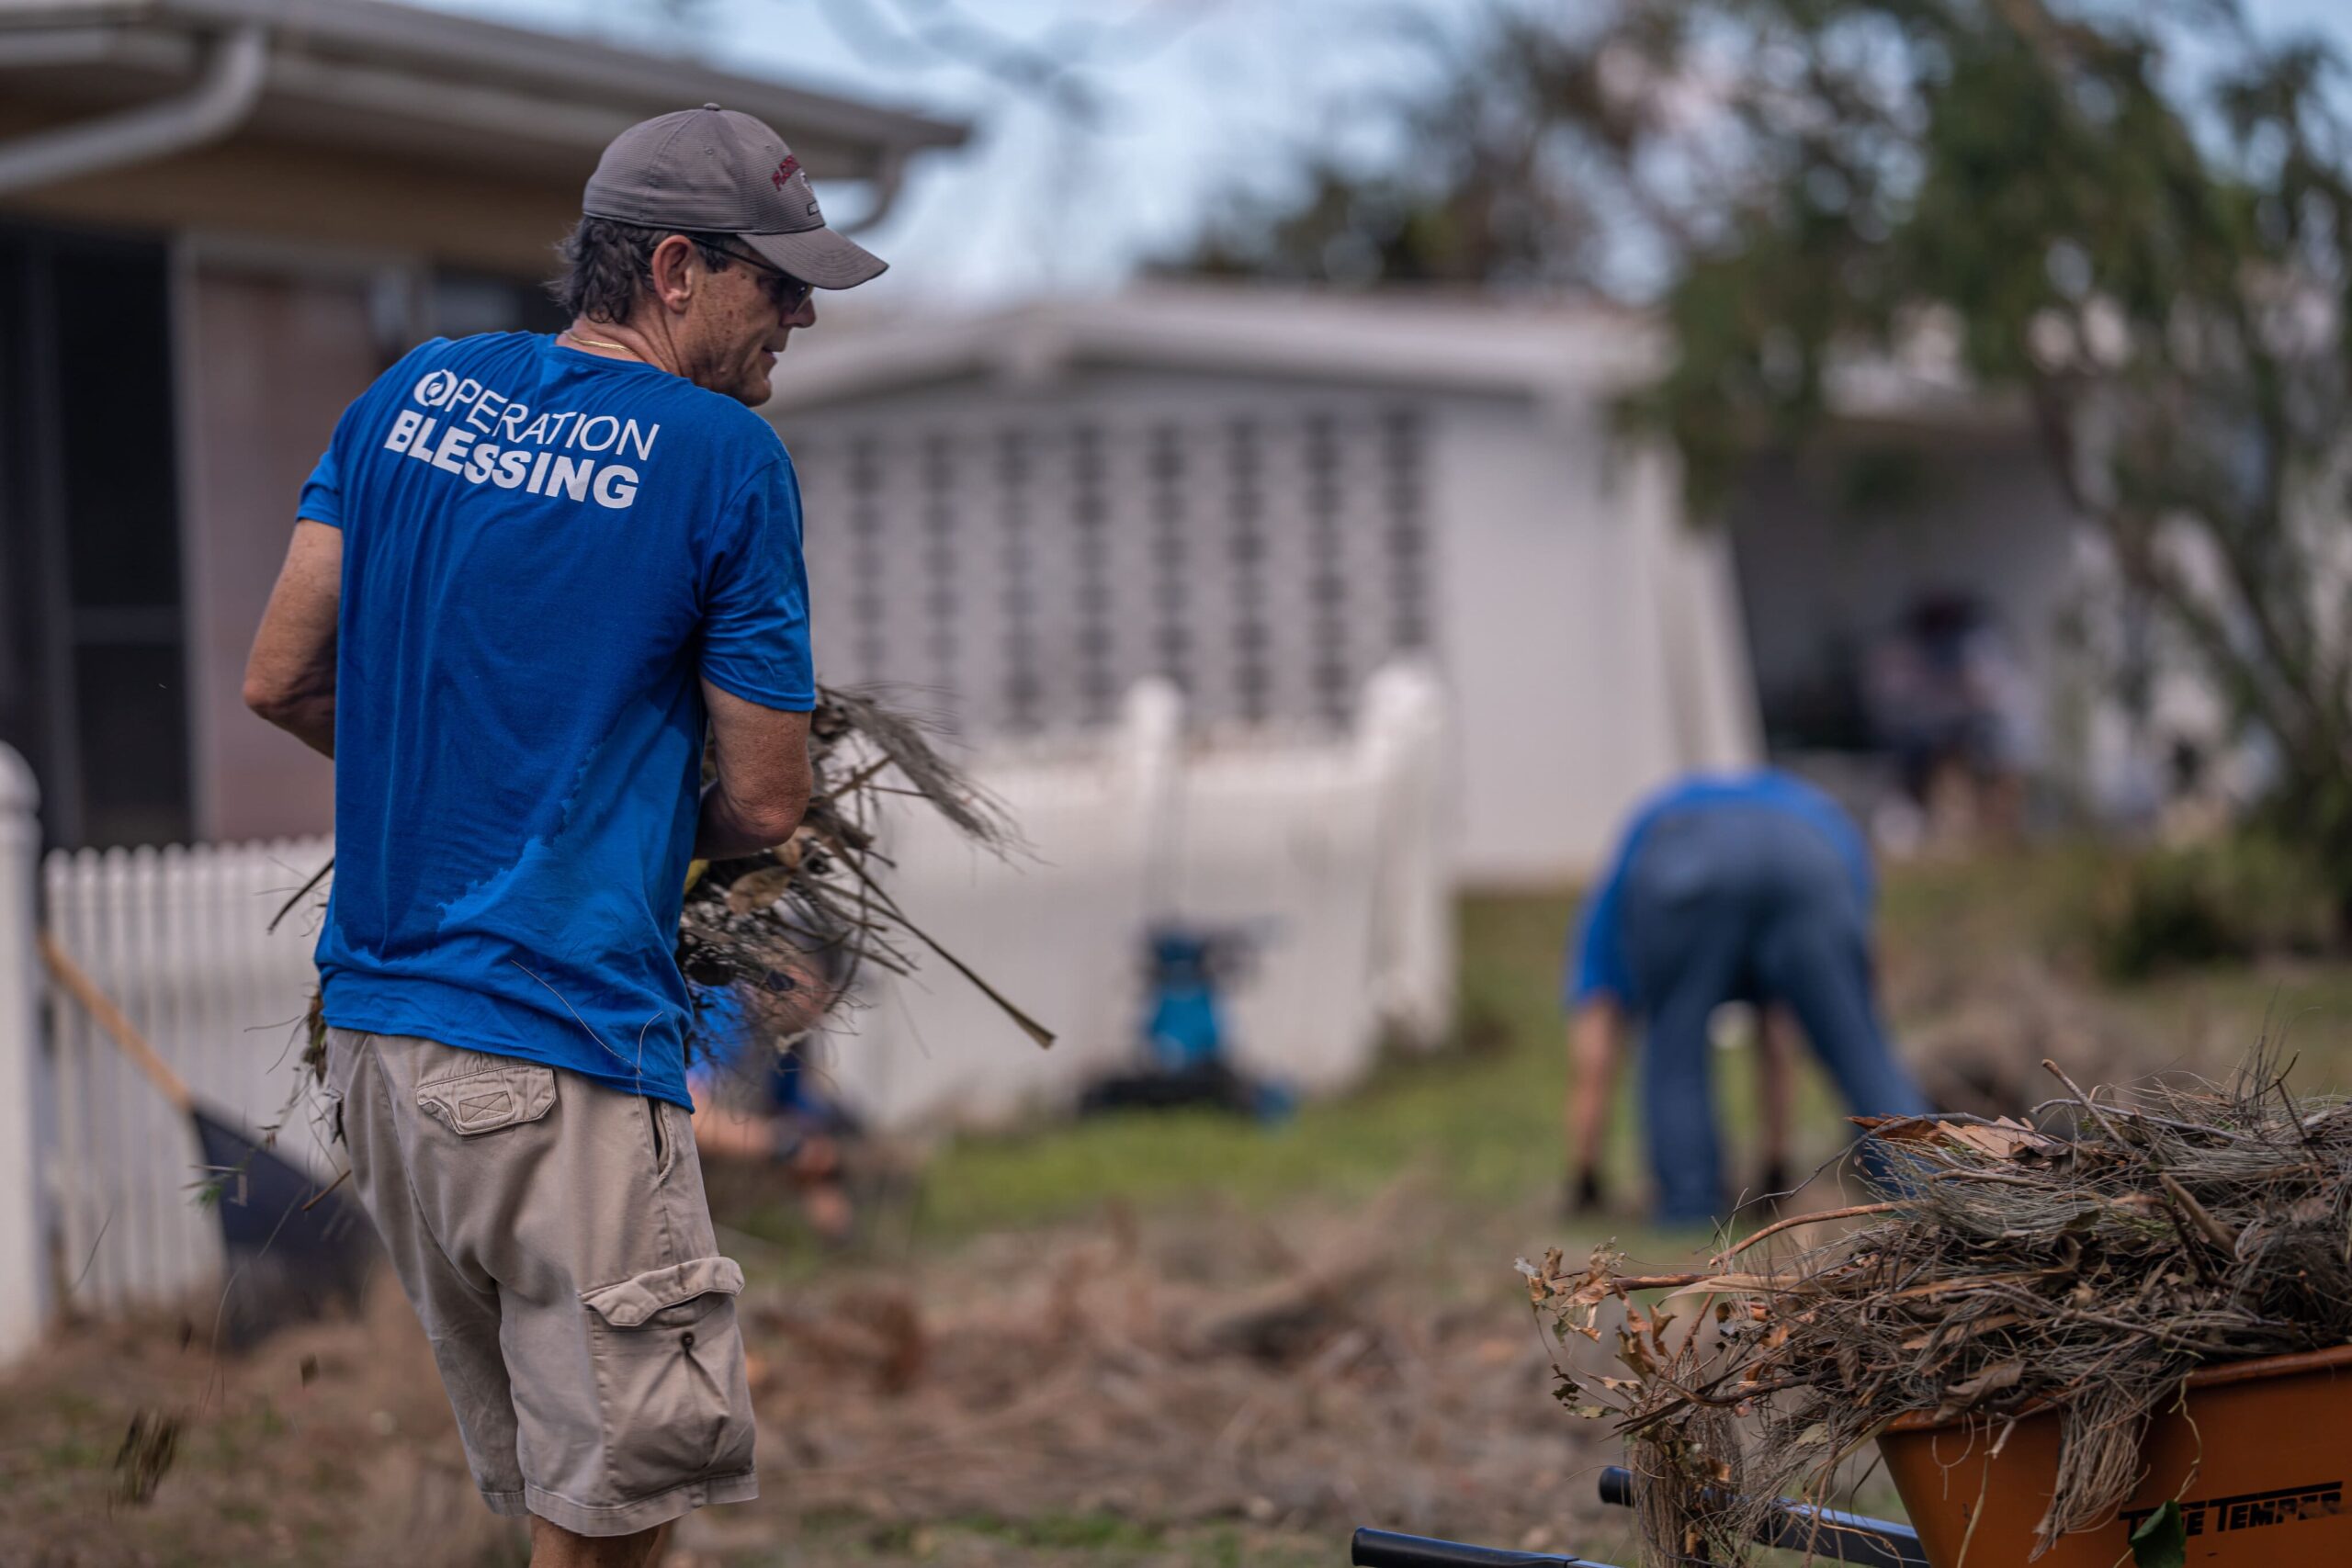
2136, 223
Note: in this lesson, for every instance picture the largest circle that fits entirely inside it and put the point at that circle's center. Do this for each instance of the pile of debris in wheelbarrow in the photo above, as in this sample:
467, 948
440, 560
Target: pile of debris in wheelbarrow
2091, 1338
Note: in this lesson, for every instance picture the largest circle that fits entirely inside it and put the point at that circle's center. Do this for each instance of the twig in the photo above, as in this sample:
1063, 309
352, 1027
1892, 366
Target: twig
1030, 1026
300, 893
322, 1195
1856, 1211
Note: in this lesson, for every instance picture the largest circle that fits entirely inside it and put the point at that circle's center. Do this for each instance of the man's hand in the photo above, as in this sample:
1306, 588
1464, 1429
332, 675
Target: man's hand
290, 676
763, 780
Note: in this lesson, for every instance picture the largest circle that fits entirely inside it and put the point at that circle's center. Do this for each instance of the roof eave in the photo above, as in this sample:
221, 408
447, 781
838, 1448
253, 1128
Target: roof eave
586, 85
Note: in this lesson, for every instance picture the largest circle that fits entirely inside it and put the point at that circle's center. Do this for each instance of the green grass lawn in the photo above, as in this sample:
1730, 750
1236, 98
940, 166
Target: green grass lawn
1482, 1115
1998, 906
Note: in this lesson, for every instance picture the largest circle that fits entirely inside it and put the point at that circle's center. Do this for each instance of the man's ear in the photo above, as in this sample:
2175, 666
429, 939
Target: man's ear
675, 272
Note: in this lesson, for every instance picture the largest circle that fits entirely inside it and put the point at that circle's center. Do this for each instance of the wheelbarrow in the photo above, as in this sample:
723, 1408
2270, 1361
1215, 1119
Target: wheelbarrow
1830, 1535
2254, 1460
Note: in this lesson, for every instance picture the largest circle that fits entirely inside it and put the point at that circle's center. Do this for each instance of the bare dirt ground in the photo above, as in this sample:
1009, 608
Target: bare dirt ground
1083, 1381
1198, 1388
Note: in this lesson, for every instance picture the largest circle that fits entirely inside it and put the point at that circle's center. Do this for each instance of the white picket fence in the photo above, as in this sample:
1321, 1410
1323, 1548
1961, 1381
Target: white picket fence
1330, 851
179, 938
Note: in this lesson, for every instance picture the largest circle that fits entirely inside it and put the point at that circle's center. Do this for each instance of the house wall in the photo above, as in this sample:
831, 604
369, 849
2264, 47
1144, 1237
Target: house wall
272, 352
1591, 642
1025, 556
274, 186
299, 272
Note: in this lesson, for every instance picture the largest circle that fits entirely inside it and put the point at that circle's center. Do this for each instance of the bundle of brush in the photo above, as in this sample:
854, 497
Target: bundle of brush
807, 915
2083, 1263
766, 926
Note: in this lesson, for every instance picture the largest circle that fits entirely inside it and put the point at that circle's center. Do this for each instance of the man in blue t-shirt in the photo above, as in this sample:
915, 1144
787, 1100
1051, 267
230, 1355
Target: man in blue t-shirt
1727, 887
532, 576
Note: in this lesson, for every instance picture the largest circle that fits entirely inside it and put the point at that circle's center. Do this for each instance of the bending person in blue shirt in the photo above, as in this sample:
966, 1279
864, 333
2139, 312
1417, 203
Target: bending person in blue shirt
1729, 887
757, 1092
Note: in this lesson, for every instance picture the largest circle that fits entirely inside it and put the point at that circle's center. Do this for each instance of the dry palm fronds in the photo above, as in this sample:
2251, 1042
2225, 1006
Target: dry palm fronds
789, 928
2083, 1264
146, 1455
812, 912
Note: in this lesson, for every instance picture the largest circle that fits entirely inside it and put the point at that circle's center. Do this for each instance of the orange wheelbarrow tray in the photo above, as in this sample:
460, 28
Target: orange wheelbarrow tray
2257, 1453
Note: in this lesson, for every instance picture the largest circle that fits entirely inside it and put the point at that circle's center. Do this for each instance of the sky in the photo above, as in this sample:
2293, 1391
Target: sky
1194, 102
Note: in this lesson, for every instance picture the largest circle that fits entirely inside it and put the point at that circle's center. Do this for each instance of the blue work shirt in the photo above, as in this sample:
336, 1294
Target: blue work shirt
1598, 967
543, 550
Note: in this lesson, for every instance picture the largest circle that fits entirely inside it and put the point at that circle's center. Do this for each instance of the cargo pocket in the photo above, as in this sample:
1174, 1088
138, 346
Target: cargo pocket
670, 1380
487, 1101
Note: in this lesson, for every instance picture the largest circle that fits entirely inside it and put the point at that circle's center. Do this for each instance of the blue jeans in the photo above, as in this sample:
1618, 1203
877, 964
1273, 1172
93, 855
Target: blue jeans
1746, 903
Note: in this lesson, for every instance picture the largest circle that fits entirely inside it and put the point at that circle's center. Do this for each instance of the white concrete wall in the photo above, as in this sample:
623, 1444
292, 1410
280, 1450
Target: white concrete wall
1326, 852
1590, 641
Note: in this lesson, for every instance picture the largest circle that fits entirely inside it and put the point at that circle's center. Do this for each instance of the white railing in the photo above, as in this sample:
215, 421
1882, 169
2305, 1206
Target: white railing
1331, 850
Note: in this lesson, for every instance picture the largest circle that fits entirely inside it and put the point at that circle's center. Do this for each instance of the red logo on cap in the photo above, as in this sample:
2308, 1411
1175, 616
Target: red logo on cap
785, 171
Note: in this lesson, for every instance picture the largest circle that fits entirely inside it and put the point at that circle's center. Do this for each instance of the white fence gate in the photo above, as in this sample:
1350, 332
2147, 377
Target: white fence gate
1330, 849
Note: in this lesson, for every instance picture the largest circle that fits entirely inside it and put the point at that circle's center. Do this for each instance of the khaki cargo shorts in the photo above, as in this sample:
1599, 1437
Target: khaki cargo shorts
555, 1239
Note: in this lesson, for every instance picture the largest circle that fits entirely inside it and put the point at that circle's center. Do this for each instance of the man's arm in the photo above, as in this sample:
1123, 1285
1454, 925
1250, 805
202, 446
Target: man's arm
763, 780
290, 676
1596, 1047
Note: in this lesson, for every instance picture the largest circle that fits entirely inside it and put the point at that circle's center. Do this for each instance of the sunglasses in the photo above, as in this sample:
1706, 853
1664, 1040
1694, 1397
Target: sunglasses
787, 292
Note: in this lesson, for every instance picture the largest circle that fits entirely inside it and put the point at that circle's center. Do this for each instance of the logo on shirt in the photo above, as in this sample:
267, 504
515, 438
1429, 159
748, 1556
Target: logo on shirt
483, 436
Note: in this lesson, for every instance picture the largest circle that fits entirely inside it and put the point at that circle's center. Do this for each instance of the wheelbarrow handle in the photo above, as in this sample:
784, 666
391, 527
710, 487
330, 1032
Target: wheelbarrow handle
1386, 1549
1800, 1527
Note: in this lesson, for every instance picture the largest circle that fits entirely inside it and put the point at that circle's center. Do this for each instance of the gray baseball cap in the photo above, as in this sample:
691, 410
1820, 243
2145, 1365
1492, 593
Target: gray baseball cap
720, 171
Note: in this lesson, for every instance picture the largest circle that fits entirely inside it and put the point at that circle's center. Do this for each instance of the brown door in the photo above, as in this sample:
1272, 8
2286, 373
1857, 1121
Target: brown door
272, 355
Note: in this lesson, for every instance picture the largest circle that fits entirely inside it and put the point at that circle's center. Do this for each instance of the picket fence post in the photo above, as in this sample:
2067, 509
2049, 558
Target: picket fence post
24, 1273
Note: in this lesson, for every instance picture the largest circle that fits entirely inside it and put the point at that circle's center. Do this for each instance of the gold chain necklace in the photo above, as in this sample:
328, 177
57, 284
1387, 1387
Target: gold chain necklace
598, 342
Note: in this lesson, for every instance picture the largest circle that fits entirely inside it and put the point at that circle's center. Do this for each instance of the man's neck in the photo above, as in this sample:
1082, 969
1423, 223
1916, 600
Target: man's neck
617, 340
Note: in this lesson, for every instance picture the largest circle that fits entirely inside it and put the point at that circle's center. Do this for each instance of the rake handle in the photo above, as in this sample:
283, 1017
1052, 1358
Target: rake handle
119, 1027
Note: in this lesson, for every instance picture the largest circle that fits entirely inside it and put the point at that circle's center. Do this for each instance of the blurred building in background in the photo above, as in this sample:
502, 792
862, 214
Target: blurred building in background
1931, 627
219, 220
1263, 496
1262, 493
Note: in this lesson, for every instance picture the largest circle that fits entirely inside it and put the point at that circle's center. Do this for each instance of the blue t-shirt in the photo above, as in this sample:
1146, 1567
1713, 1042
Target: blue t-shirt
1597, 966
542, 551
